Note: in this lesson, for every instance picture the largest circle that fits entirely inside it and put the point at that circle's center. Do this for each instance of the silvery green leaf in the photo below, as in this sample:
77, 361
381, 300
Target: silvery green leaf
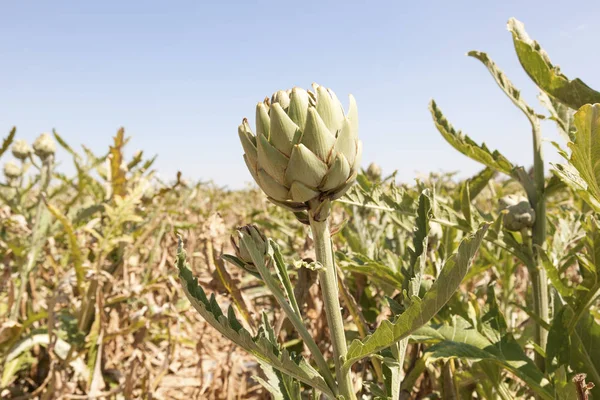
478, 182
260, 346
585, 357
280, 386
467, 146
461, 340
561, 114
421, 310
506, 85
8, 141
574, 93
585, 149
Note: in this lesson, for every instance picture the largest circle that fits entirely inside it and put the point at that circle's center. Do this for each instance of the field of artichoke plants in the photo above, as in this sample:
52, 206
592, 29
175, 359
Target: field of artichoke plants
330, 282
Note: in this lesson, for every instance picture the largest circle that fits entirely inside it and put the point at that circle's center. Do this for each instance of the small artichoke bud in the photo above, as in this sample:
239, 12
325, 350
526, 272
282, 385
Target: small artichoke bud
241, 251
21, 149
374, 172
44, 146
518, 215
12, 170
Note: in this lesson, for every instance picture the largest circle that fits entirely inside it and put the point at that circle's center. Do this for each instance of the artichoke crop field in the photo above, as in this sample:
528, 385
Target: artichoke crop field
326, 280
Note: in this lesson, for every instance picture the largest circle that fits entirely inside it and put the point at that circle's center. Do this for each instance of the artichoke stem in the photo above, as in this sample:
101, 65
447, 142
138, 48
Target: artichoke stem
329, 289
538, 273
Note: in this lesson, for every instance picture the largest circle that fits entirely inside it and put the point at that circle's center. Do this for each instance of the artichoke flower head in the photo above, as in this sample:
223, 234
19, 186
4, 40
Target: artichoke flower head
306, 148
12, 170
21, 149
44, 146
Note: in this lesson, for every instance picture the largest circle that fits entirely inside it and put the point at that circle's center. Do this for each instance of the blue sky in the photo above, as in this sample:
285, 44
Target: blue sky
180, 76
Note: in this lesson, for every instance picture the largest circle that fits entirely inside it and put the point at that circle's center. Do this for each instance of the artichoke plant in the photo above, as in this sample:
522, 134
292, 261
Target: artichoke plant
306, 148
304, 154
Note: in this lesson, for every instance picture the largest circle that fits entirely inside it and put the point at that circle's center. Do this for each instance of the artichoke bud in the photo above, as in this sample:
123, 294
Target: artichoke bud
21, 149
518, 213
306, 148
44, 146
12, 170
374, 172
241, 251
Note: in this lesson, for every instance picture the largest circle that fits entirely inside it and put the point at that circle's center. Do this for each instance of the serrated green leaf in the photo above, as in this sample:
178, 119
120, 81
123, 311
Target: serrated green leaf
585, 353
465, 203
259, 347
263, 263
375, 270
535, 61
118, 179
554, 275
233, 260
284, 278
467, 146
570, 177
585, 149
424, 214
559, 340
461, 340
506, 85
411, 289
561, 114
8, 141
74, 251
564, 387
137, 158
421, 311
478, 182
280, 386
64, 144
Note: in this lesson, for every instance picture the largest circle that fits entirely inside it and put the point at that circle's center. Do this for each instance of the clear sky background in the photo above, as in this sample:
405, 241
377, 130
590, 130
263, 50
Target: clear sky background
180, 75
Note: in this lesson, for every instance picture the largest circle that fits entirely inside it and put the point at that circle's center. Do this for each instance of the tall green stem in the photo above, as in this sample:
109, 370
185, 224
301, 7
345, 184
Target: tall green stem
538, 273
329, 288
